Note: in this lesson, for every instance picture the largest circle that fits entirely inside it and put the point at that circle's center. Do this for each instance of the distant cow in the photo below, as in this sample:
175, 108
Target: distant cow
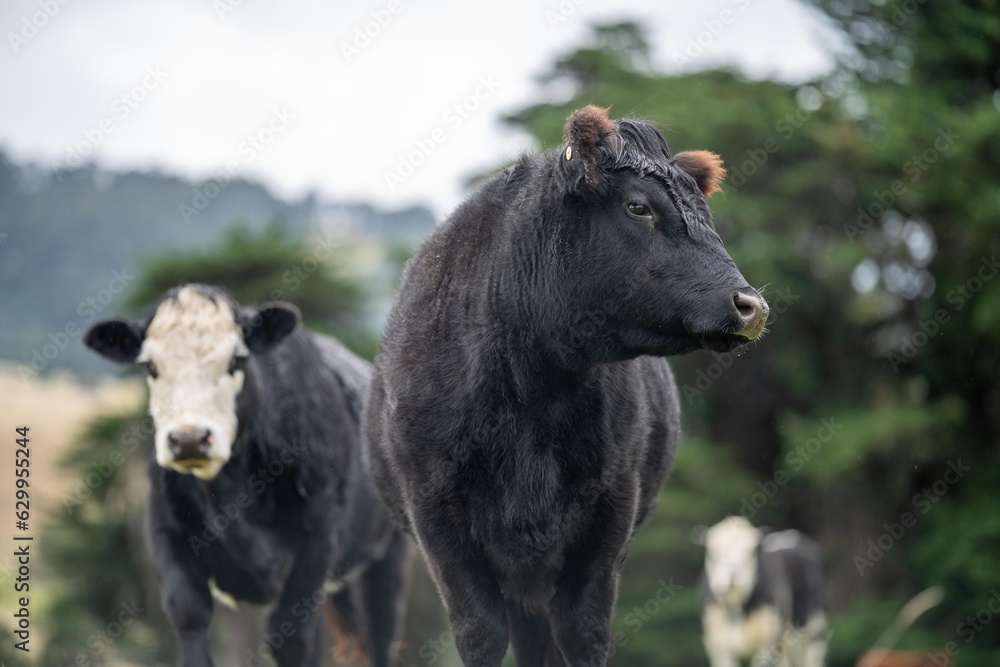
764, 597
256, 488
521, 421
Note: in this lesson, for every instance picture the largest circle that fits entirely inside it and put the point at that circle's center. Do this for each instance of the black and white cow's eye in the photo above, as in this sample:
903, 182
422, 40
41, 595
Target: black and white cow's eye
237, 363
638, 210
151, 370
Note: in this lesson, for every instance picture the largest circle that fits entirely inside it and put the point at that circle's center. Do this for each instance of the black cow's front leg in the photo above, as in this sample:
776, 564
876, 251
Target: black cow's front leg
188, 605
581, 619
530, 637
584, 602
470, 594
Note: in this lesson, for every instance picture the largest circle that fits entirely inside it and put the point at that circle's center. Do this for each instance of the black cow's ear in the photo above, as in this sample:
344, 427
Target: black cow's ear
586, 131
268, 325
115, 339
706, 169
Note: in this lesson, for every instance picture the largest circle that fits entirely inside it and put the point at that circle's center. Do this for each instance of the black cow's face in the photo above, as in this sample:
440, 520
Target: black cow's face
682, 290
195, 348
644, 236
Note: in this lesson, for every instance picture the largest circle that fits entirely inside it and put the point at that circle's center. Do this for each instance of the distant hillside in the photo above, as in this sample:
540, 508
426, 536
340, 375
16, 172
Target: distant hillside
70, 241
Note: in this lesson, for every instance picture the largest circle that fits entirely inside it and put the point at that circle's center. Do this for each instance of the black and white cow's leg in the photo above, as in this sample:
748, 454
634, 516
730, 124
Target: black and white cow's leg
774, 656
817, 636
717, 626
184, 592
188, 605
379, 595
296, 617
718, 656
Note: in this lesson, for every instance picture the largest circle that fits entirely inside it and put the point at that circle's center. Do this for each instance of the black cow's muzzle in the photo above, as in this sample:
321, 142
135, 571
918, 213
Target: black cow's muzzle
752, 310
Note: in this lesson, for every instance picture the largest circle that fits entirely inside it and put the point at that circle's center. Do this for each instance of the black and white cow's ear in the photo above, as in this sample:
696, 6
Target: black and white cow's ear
268, 325
115, 339
698, 535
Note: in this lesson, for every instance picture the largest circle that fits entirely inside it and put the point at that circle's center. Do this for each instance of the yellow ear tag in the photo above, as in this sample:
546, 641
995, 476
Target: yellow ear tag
569, 152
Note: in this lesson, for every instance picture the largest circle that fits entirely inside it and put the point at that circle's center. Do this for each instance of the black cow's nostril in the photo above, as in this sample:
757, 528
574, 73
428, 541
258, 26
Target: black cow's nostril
747, 306
752, 311
189, 443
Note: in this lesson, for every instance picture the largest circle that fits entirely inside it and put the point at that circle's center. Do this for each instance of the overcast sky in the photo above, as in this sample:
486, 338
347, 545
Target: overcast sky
291, 94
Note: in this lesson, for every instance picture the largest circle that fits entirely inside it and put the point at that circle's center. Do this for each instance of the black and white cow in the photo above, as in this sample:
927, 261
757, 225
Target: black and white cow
256, 488
764, 597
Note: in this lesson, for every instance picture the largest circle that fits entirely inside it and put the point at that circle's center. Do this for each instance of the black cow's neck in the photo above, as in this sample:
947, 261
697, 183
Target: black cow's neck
535, 333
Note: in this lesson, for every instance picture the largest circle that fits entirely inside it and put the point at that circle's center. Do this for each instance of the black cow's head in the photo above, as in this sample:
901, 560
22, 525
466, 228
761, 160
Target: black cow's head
195, 346
649, 241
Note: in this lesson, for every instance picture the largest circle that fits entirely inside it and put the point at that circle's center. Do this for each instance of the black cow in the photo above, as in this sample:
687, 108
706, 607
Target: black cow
765, 597
520, 422
257, 493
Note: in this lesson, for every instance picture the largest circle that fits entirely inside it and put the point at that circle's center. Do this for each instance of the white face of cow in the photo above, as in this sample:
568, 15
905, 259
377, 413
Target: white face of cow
194, 350
731, 560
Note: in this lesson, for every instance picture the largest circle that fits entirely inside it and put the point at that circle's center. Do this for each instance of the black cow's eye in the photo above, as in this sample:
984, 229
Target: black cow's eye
638, 210
151, 369
237, 363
